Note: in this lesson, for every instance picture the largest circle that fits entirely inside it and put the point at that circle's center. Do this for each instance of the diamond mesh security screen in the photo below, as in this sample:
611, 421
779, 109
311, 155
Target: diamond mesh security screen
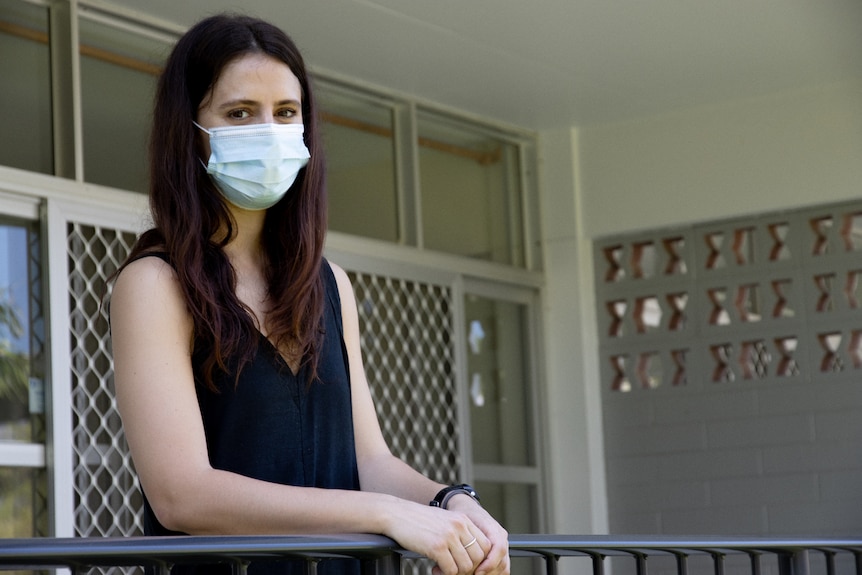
406, 332
407, 340
38, 361
108, 499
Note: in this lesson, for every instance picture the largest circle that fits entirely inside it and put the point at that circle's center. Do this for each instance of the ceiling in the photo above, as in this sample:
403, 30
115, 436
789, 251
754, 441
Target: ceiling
540, 64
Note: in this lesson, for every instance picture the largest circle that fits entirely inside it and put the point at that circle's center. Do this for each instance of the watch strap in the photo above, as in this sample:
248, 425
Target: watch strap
444, 495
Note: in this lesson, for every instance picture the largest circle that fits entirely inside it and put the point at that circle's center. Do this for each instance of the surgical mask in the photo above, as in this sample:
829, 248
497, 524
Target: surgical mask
253, 166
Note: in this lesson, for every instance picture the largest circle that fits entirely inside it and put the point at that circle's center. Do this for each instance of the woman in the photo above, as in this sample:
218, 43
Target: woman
236, 345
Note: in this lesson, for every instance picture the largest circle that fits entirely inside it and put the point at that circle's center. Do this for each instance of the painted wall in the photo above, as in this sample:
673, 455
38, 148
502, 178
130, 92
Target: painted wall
737, 158
575, 453
736, 459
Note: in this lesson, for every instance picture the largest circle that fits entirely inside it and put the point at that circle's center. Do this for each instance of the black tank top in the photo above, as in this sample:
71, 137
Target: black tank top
275, 426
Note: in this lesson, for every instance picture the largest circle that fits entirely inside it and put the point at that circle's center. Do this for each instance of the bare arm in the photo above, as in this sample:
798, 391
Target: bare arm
151, 334
381, 471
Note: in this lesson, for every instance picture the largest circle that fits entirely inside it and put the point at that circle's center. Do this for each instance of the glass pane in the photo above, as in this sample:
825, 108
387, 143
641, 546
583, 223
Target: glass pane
118, 78
22, 502
471, 192
500, 405
514, 506
360, 166
15, 423
25, 88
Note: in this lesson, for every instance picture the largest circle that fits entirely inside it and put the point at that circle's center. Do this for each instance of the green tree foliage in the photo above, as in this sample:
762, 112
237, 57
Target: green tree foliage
14, 367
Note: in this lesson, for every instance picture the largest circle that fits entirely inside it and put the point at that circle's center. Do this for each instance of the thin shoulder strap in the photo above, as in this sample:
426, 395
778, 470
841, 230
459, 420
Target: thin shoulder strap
332, 295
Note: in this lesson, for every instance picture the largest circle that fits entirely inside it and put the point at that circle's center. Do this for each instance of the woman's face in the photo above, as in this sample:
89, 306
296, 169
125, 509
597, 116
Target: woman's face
252, 89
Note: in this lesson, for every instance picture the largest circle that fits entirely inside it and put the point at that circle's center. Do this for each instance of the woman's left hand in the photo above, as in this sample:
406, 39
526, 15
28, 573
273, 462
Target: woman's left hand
496, 560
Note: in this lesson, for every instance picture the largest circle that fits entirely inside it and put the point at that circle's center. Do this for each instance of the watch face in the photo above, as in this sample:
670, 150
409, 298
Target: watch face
447, 493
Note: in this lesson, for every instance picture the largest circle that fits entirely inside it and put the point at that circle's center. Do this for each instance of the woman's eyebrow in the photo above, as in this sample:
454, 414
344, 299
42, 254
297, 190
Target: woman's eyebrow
251, 103
238, 102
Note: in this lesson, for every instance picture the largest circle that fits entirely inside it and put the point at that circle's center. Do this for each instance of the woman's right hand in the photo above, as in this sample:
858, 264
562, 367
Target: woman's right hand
449, 538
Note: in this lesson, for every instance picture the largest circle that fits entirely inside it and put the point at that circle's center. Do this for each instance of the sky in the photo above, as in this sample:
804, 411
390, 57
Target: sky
13, 282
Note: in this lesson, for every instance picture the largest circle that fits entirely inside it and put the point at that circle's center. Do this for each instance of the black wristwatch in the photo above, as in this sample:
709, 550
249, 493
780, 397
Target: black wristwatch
447, 493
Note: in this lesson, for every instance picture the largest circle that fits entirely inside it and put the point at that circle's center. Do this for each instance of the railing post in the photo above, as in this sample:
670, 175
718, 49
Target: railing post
382, 565
795, 563
640, 563
718, 563
755, 563
551, 564
598, 564
830, 562
800, 563
681, 563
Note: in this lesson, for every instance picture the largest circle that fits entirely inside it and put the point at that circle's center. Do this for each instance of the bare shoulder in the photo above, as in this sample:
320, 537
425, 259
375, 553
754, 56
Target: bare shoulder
147, 292
349, 314
147, 273
342, 280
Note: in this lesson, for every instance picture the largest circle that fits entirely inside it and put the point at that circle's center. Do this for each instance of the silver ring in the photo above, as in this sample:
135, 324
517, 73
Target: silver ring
470, 543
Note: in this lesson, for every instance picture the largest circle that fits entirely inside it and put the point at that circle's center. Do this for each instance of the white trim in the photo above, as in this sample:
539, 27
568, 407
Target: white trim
462, 379
393, 254
18, 206
59, 392
21, 454
127, 210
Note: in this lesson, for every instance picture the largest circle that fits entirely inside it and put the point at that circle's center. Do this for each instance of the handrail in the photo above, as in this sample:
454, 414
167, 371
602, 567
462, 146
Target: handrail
381, 556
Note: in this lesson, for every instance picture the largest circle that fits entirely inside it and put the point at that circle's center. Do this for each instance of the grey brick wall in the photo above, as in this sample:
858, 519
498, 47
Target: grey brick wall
751, 439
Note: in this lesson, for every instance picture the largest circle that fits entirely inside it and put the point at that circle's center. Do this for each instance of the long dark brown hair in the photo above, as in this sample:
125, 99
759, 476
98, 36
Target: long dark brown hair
189, 214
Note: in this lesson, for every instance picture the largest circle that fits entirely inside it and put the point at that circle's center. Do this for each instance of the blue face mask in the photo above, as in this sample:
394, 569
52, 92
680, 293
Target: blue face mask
253, 166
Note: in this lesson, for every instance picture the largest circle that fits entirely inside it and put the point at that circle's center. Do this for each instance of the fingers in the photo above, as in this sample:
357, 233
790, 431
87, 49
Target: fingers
493, 539
466, 552
457, 543
477, 549
474, 550
480, 554
495, 562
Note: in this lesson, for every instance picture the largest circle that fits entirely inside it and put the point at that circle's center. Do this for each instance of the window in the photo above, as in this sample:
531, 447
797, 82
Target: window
501, 388
116, 121
426, 179
23, 485
470, 183
25, 92
360, 163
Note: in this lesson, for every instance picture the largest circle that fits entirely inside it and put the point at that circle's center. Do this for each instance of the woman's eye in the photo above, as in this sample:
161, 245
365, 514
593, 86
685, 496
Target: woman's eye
238, 114
287, 113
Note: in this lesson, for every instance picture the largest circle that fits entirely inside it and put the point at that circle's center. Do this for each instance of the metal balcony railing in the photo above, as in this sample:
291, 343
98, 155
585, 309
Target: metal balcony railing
382, 556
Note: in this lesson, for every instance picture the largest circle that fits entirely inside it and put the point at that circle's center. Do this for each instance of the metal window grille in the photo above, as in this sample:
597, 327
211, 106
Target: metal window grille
38, 346
107, 494
406, 336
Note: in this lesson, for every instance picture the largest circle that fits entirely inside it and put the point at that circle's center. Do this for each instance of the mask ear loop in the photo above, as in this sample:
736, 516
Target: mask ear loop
204, 164
202, 128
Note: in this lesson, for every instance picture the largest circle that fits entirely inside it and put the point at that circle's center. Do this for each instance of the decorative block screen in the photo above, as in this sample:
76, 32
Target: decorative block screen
769, 297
